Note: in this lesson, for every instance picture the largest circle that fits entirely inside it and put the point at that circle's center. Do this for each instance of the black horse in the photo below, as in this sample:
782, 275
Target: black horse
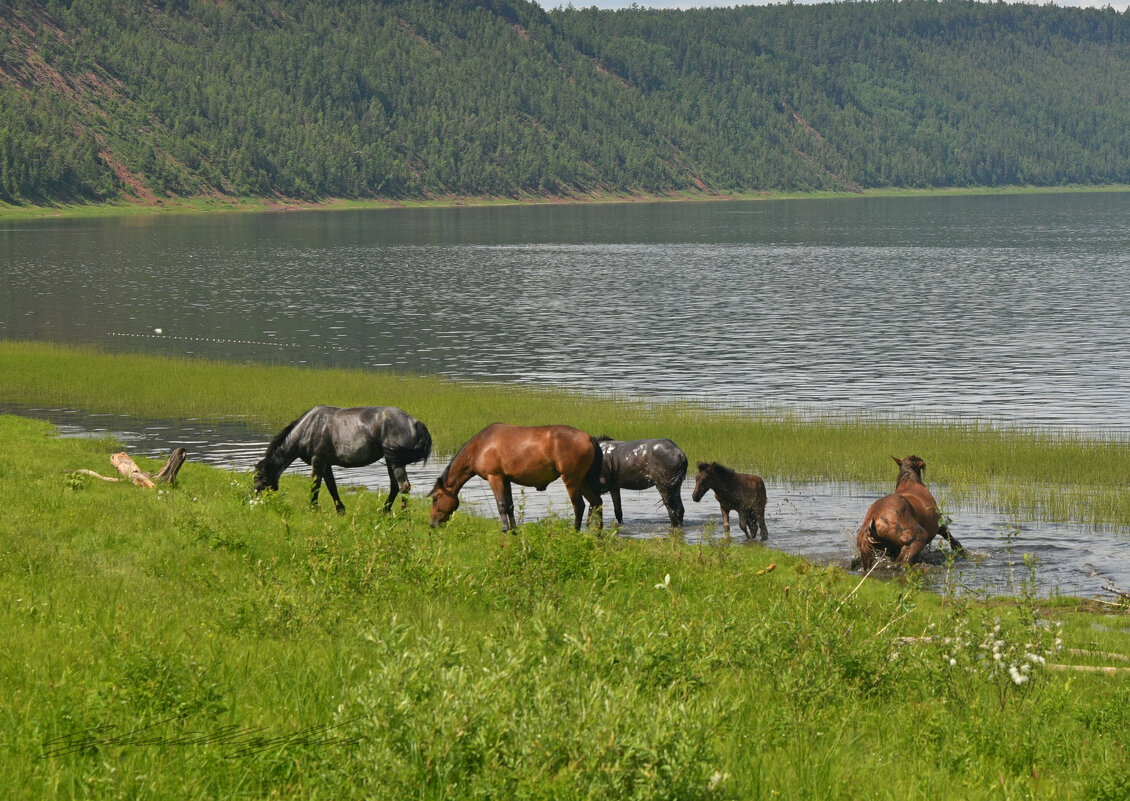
327, 436
640, 464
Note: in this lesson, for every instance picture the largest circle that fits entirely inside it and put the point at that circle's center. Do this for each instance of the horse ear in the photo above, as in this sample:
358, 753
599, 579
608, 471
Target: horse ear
703, 465
898, 461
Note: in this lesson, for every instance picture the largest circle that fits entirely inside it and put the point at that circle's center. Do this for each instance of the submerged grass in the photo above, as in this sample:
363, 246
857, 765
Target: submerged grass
1051, 475
195, 642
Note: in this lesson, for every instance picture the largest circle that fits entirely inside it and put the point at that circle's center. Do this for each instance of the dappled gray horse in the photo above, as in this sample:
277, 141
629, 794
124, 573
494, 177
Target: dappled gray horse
326, 436
642, 463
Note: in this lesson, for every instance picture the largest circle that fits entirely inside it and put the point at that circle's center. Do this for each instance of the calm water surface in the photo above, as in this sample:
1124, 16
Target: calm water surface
1006, 308
1011, 308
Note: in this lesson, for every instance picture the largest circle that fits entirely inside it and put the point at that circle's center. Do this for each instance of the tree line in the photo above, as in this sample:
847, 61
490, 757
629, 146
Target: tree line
101, 99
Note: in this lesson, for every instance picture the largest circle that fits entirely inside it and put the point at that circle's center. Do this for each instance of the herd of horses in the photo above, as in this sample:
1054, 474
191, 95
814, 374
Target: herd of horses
898, 526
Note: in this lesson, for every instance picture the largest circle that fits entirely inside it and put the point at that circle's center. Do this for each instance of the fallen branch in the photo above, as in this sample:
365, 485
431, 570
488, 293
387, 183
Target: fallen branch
128, 468
1116, 591
1109, 671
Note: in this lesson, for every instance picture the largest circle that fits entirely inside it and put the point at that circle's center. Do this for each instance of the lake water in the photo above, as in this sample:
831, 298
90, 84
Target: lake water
1009, 308
1002, 307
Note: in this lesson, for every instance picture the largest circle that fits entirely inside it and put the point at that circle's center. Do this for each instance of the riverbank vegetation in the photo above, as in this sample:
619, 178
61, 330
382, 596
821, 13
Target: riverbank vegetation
1028, 473
195, 641
155, 102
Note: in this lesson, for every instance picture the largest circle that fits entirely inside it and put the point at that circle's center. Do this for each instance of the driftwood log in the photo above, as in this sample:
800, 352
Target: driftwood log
130, 471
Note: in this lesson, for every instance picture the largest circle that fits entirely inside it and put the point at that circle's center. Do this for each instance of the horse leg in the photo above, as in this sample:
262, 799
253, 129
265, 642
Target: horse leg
398, 482
501, 489
508, 499
331, 485
910, 552
316, 475
579, 492
615, 493
725, 520
673, 502
744, 524
951, 539
913, 538
759, 515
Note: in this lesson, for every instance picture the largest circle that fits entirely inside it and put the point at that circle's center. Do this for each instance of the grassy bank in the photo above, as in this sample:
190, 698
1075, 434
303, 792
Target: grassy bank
191, 643
1051, 475
212, 205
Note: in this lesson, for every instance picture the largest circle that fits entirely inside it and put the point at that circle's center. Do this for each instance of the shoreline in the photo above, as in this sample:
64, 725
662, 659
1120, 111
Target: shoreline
228, 205
1055, 476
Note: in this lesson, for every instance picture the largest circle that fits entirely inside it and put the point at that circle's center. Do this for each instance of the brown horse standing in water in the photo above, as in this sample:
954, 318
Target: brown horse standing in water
903, 523
532, 456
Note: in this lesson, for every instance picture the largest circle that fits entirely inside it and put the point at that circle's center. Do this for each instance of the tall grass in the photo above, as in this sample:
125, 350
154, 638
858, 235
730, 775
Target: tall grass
1055, 475
194, 643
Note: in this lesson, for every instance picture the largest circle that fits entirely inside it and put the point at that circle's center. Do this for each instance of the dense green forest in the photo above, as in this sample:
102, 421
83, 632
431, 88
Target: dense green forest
107, 99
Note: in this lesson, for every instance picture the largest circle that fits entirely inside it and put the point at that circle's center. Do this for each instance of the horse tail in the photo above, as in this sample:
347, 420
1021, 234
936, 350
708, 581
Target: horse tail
595, 469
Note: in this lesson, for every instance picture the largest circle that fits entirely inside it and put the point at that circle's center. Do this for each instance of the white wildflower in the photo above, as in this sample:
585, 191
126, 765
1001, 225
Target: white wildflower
1018, 678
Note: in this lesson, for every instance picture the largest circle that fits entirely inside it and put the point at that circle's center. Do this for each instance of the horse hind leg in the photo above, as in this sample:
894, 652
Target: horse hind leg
397, 483
674, 503
579, 492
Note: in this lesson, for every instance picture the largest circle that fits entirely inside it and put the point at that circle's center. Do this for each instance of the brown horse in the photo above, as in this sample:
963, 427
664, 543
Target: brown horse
738, 492
532, 456
903, 523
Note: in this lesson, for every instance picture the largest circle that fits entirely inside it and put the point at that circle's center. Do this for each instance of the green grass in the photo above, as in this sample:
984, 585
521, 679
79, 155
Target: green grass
193, 643
1047, 475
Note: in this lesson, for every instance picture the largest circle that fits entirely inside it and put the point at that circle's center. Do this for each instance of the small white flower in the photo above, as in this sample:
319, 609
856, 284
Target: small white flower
1018, 678
952, 661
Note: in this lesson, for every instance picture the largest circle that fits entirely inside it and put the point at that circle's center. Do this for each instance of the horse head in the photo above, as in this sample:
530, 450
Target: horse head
910, 468
264, 479
704, 480
444, 503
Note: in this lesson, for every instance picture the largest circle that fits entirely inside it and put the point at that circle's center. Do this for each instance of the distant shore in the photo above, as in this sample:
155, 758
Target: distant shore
213, 205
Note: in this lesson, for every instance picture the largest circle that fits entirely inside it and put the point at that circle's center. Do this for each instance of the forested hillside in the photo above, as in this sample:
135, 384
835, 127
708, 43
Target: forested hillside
101, 99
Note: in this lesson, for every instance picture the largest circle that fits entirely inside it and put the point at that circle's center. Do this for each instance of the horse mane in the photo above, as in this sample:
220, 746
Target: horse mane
724, 472
279, 438
441, 482
603, 438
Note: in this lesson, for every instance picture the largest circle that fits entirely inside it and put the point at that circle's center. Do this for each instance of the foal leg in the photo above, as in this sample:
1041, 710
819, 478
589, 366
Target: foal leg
746, 524
725, 520
759, 515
